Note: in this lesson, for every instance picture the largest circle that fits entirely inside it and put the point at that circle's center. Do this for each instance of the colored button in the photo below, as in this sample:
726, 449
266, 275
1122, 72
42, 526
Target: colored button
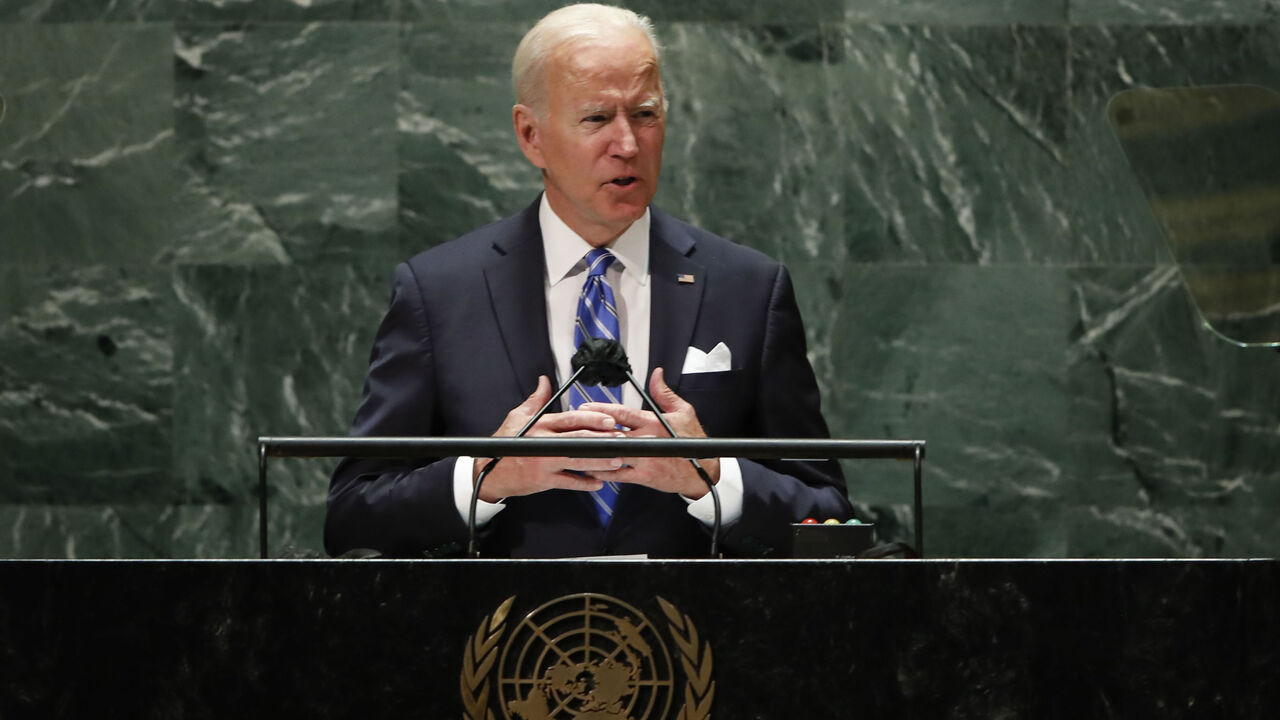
809, 521
831, 521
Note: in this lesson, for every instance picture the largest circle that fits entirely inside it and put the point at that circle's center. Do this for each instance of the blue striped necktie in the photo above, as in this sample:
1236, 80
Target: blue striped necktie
597, 318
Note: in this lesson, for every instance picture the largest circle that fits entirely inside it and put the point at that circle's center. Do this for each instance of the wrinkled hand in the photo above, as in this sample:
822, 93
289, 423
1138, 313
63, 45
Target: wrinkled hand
666, 474
527, 475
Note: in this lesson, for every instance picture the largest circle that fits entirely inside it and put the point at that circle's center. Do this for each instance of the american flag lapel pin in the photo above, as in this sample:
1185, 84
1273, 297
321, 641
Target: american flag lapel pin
684, 279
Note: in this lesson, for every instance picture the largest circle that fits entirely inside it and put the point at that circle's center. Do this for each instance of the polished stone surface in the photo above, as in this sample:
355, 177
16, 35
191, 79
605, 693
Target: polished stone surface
310, 175
61, 11
1172, 12
86, 145
201, 202
805, 639
86, 385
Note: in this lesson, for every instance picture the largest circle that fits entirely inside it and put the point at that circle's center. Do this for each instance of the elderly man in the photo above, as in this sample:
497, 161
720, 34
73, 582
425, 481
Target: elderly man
478, 328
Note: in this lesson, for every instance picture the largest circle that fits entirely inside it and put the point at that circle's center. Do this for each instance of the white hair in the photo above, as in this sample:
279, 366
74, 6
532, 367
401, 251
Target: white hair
584, 21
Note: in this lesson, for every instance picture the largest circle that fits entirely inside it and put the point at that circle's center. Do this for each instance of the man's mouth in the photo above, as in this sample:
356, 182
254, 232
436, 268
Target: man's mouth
623, 181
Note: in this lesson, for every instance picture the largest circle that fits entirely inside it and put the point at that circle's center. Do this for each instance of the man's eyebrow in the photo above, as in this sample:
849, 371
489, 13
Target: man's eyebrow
646, 104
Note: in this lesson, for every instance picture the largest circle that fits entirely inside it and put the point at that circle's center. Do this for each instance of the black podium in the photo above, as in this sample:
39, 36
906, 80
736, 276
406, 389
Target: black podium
640, 639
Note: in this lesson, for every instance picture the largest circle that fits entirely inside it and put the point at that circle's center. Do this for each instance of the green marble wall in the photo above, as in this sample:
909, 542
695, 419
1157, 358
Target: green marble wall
201, 202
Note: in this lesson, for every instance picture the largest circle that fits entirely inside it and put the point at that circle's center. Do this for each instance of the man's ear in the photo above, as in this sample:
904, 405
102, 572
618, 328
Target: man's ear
526, 125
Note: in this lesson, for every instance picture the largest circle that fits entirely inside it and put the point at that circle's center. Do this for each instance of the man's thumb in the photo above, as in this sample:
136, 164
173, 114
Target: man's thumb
663, 395
540, 396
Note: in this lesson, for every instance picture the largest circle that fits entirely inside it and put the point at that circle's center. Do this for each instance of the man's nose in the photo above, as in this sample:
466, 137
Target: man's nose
624, 140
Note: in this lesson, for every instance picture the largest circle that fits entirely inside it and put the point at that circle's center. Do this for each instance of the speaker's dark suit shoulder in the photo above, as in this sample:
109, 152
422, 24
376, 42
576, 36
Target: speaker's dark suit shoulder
706, 247
473, 249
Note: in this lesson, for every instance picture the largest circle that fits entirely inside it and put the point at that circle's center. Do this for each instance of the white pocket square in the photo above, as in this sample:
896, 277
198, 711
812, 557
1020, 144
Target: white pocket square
717, 360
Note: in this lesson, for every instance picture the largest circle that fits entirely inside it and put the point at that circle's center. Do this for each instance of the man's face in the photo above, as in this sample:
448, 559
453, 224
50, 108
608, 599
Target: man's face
599, 140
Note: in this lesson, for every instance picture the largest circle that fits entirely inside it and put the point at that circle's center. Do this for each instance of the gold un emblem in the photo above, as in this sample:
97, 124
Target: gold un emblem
585, 657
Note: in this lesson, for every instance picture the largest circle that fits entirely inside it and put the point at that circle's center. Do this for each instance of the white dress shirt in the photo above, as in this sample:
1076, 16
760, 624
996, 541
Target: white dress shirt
565, 274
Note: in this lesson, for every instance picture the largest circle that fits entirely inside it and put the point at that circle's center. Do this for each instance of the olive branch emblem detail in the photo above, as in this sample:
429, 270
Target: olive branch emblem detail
699, 688
478, 660
485, 650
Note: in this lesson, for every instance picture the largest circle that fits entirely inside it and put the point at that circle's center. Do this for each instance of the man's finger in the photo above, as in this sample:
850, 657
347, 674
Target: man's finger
628, 473
571, 420
569, 481
623, 415
590, 464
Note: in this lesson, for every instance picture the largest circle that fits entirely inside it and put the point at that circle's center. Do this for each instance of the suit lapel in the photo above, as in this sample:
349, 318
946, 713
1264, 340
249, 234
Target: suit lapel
674, 304
514, 279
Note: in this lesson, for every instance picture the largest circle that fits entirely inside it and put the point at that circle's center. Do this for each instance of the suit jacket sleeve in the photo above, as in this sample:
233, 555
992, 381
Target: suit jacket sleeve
398, 507
786, 404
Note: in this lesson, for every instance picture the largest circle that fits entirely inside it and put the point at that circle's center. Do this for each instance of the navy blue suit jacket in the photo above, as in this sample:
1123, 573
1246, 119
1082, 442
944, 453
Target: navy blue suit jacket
464, 342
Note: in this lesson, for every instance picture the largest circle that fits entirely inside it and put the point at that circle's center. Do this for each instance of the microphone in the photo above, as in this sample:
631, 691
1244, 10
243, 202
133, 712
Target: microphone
602, 361
598, 361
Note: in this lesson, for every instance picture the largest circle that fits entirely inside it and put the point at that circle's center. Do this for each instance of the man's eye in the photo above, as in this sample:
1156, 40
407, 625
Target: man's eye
595, 118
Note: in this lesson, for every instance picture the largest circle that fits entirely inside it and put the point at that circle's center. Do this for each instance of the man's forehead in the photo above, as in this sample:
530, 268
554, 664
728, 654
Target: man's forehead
595, 85
581, 59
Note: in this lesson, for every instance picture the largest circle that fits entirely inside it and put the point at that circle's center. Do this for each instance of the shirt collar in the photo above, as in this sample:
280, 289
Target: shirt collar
565, 248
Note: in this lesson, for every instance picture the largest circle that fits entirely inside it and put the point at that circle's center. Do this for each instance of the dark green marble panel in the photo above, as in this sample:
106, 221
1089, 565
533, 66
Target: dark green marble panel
268, 351
86, 146
287, 140
937, 12
85, 531
948, 12
286, 10
85, 385
159, 531
527, 12
231, 531
53, 11
1173, 432
1111, 220
970, 360
296, 523
1171, 12
748, 134
880, 144
1069, 413
460, 166
219, 531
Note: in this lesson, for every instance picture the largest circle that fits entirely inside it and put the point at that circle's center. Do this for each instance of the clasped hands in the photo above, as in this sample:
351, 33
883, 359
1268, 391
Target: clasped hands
527, 475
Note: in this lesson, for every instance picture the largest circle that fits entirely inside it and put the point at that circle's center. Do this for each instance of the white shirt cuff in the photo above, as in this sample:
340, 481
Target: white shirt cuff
730, 490
462, 487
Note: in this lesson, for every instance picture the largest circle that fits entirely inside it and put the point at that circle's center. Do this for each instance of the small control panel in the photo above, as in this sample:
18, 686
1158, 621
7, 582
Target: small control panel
831, 538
